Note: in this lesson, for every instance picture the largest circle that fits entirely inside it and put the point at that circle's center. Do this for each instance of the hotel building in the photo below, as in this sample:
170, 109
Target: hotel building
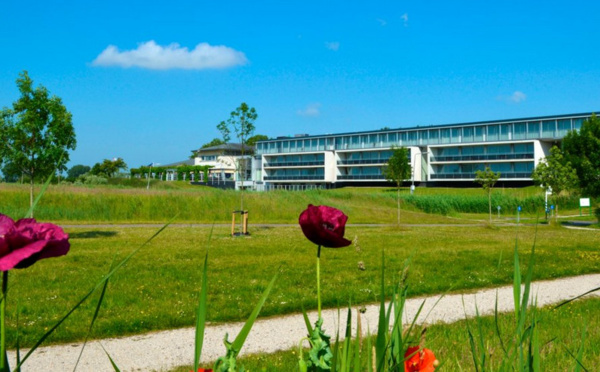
439, 154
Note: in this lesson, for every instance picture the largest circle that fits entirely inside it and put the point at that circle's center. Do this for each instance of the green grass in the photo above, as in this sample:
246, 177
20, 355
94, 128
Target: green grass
158, 288
128, 204
559, 329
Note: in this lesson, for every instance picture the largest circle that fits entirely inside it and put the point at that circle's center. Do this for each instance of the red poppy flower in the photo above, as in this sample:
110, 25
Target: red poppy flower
203, 370
24, 242
324, 226
419, 360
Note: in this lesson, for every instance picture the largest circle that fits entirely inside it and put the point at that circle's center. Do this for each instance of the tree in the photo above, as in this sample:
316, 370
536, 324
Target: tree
76, 171
557, 173
214, 142
397, 170
582, 149
36, 133
258, 137
487, 179
241, 123
108, 168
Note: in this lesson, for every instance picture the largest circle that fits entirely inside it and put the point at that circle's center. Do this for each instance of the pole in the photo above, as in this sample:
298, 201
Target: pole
149, 171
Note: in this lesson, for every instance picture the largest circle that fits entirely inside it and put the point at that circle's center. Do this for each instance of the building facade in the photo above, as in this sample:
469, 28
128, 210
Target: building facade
439, 154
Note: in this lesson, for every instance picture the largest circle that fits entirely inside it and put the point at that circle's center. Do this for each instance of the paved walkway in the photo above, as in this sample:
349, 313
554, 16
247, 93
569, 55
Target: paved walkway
161, 351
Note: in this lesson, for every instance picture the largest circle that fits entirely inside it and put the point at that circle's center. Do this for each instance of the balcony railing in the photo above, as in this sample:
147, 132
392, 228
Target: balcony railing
294, 163
294, 178
361, 177
482, 157
363, 161
450, 176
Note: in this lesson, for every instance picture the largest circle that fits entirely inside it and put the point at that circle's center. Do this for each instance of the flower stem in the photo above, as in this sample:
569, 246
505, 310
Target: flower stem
3, 361
319, 281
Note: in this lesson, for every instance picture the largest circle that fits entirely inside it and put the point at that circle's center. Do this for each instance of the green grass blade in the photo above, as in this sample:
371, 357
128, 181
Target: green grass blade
100, 283
39, 195
382, 330
576, 298
112, 362
307, 321
517, 281
201, 315
241, 337
358, 342
94, 317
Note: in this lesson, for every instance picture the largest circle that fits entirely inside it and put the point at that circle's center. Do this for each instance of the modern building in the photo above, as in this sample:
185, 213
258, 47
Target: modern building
439, 154
228, 162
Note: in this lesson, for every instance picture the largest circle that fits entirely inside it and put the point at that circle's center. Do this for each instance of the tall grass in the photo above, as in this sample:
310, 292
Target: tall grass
208, 205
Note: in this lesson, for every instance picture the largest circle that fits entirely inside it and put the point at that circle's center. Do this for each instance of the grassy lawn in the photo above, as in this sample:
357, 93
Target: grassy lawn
196, 204
560, 329
158, 288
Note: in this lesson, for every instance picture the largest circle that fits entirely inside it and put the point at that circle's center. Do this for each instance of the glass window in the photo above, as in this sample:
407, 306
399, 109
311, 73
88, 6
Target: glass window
533, 129
479, 132
478, 150
434, 135
577, 123
392, 137
468, 134
412, 137
520, 131
524, 167
564, 126
456, 137
505, 131
493, 131
445, 135
501, 167
523, 148
548, 127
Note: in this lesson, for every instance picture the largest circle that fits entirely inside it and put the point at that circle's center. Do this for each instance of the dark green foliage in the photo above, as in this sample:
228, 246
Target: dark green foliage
214, 142
258, 137
37, 132
398, 168
320, 355
108, 168
76, 171
582, 149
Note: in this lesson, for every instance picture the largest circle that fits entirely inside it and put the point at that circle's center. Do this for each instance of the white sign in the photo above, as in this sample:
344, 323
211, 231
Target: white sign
584, 202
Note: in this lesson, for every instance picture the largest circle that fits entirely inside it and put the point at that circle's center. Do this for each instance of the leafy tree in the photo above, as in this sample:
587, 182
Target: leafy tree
76, 171
241, 123
214, 142
258, 137
35, 133
108, 168
397, 170
555, 172
487, 179
582, 150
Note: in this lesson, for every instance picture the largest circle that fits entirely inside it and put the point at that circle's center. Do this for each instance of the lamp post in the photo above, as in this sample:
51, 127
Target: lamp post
149, 171
412, 185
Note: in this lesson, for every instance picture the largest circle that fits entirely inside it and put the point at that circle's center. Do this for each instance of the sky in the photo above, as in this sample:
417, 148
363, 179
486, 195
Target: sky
148, 81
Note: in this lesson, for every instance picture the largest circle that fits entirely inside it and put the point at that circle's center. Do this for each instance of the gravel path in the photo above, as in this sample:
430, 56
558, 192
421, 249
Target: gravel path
161, 351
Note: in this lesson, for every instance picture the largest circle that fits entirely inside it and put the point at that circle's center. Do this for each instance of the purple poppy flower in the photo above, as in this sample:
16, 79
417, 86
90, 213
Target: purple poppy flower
24, 242
324, 226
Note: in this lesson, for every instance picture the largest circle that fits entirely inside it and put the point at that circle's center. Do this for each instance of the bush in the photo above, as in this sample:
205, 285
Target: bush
90, 179
597, 214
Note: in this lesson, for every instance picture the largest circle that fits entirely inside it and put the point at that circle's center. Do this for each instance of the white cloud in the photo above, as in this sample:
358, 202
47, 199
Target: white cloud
404, 18
332, 45
517, 97
382, 22
156, 57
311, 110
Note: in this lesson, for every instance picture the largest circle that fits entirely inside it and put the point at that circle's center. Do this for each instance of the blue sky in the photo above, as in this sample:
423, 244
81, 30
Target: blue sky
149, 81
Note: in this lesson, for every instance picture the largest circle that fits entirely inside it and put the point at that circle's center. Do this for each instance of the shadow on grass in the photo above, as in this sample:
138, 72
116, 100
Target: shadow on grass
91, 234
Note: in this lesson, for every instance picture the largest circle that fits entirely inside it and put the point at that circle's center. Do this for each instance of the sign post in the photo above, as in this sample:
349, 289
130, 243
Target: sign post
585, 202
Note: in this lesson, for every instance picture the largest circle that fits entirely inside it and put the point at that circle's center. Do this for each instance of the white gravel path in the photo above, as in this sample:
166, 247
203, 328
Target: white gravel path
161, 351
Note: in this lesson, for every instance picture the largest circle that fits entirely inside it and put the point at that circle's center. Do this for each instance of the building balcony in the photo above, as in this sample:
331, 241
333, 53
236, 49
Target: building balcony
456, 158
462, 176
362, 161
273, 164
295, 178
361, 177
